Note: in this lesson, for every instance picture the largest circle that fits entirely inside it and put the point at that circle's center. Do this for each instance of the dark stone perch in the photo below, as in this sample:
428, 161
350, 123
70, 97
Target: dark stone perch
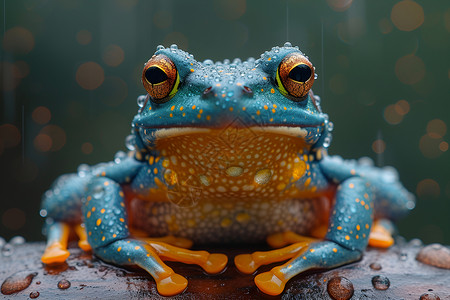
381, 274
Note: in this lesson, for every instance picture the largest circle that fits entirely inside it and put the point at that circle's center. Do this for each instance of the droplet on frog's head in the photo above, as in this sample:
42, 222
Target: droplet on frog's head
340, 288
119, 156
141, 100
17, 240
381, 282
98, 192
287, 44
43, 213
64, 284
130, 142
160, 47
327, 142
330, 126
173, 47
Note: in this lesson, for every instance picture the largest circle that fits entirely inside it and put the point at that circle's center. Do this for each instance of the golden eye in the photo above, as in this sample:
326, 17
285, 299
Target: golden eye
295, 75
160, 78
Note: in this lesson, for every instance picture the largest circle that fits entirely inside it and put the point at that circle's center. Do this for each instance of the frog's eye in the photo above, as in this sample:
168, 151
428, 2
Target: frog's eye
160, 78
295, 75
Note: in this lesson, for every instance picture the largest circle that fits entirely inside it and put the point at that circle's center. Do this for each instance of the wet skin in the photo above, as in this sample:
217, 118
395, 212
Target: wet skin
231, 152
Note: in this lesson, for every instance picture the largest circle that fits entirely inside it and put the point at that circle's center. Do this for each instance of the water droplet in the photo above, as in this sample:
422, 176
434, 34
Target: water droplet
43, 213
7, 250
141, 100
17, 282
415, 242
64, 284
160, 47
330, 126
98, 192
403, 256
435, 255
287, 44
34, 295
170, 177
375, 266
380, 282
429, 296
340, 288
17, 240
263, 176
327, 142
119, 156
130, 142
173, 47
235, 171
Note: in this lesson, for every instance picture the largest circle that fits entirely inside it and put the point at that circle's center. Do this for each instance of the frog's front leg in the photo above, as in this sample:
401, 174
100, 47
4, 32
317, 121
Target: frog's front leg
347, 237
106, 223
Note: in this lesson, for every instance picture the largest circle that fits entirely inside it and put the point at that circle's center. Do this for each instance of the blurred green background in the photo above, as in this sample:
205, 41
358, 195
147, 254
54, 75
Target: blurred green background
70, 75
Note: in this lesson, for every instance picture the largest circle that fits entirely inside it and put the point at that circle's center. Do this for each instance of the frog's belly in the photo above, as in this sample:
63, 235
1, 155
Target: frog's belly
218, 222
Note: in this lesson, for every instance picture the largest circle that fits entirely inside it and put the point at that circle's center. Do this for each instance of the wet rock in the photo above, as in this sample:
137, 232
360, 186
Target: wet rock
340, 288
17, 282
435, 255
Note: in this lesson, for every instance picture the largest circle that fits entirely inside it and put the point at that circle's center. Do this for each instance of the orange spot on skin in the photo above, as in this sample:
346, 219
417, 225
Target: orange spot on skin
266, 107
88, 215
244, 108
93, 209
181, 108
367, 226
231, 109
274, 106
192, 70
171, 115
264, 78
118, 249
272, 91
121, 220
258, 112
114, 235
102, 211
193, 106
103, 239
285, 108
357, 200
172, 108
99, 221
347, 237
155, 170
273, 110
358, 227
351, 185
339, 227
334, 250
269, 59
208, 118
223, 95
106, 183
262, 90
137, 248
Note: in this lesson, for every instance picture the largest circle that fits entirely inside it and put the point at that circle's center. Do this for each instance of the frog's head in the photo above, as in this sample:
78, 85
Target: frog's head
267, 99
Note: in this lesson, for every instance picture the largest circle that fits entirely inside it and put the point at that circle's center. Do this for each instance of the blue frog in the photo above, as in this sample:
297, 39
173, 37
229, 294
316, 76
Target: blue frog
226, 152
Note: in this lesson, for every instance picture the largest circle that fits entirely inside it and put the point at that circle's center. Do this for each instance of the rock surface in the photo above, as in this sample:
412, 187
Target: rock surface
84, 276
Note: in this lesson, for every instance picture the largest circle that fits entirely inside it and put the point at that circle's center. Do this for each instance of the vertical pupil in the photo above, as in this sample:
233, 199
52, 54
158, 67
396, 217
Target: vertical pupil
300, 73
155, 75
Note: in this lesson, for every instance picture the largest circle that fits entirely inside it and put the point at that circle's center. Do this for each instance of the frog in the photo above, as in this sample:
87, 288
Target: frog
226, 152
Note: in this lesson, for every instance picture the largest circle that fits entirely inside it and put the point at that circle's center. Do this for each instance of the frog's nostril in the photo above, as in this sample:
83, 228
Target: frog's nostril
247, 90
207, 92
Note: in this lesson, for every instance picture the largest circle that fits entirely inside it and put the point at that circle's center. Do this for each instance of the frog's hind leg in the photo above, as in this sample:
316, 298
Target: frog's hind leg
56, 248
61, 205
82, 236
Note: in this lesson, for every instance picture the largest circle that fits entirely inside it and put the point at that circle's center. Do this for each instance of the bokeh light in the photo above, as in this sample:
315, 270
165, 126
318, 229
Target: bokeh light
10, 76
162, 19
339, 5
14, 218
176, 38
57, 136
87, 148
113, 91
41, 115
9, 135
338, 84
385, 26
407, 15
410, 69
90, 75
443, 146
230, 9
391, 115
42, 142
402, 107
436, 128
428, 188
23, 69
378, 146
113, 55
430, 147
18, 40
84, 37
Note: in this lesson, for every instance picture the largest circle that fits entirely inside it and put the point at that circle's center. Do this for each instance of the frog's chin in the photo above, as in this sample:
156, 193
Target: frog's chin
298, 132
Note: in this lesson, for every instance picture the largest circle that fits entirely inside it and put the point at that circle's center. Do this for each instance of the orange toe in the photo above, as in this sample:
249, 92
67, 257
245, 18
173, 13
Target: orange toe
55, 254
380, 239
216, 263
172, 285
83, 244
245, 263
270, 283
